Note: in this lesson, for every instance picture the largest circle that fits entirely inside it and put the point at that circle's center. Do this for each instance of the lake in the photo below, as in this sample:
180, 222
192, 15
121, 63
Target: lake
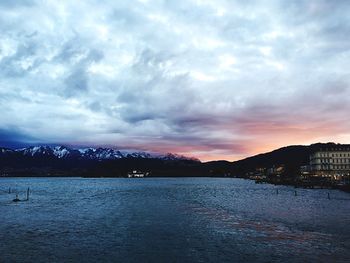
171, 220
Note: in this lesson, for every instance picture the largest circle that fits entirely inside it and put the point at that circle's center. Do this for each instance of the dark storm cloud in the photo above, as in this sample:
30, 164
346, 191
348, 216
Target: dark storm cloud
77, 82
25, 51
217, 79
12, 137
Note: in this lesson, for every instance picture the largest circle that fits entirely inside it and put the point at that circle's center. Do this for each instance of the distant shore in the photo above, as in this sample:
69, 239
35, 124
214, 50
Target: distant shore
296, 184
308, 185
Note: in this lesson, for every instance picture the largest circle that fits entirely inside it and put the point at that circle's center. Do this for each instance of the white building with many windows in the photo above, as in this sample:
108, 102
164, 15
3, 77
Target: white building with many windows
331, 161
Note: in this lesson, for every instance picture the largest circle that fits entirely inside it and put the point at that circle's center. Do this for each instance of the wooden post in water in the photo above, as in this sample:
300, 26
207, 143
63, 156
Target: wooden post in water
16, 199
28, 194
9, 190
295, 193
276, 191
329, 197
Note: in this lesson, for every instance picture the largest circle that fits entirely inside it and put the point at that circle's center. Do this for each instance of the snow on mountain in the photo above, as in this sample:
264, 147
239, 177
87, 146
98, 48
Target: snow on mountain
36, 150
105, 153
140, 155
100, 153
63, 152
5, 151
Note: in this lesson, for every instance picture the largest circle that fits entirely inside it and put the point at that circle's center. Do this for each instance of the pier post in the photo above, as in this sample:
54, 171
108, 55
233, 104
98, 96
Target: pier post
295, 193
28, 194
329, 197
16, 199
9, 190
277, 191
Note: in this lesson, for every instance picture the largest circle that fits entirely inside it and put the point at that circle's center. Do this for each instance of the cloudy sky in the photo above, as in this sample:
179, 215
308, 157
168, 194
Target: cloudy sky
212, 79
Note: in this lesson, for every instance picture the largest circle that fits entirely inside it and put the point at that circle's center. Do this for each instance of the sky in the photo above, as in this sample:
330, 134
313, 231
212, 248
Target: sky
210, 79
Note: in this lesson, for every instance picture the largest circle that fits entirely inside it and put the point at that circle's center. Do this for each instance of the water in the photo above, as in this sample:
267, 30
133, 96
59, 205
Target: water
171, 220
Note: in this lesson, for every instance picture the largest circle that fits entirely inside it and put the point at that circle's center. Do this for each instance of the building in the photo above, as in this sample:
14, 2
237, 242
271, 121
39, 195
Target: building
305, 171
331, 161
276, 170
137, 174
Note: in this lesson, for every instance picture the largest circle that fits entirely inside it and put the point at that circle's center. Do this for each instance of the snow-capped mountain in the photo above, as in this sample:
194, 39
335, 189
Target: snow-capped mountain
5, 151
35, 151
63, 152
100, 153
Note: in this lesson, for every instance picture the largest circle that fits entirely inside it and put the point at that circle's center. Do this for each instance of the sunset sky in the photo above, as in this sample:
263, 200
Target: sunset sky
211, 79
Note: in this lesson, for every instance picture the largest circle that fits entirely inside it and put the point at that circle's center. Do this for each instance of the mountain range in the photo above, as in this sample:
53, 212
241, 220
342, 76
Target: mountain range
45, 160
96, 162
63, 152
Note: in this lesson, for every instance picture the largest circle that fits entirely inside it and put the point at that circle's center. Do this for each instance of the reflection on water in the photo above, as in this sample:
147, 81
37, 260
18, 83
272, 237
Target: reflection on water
171, 220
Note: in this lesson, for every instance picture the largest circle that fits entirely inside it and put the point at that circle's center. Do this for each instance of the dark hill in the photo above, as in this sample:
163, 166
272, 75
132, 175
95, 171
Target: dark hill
292, 157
